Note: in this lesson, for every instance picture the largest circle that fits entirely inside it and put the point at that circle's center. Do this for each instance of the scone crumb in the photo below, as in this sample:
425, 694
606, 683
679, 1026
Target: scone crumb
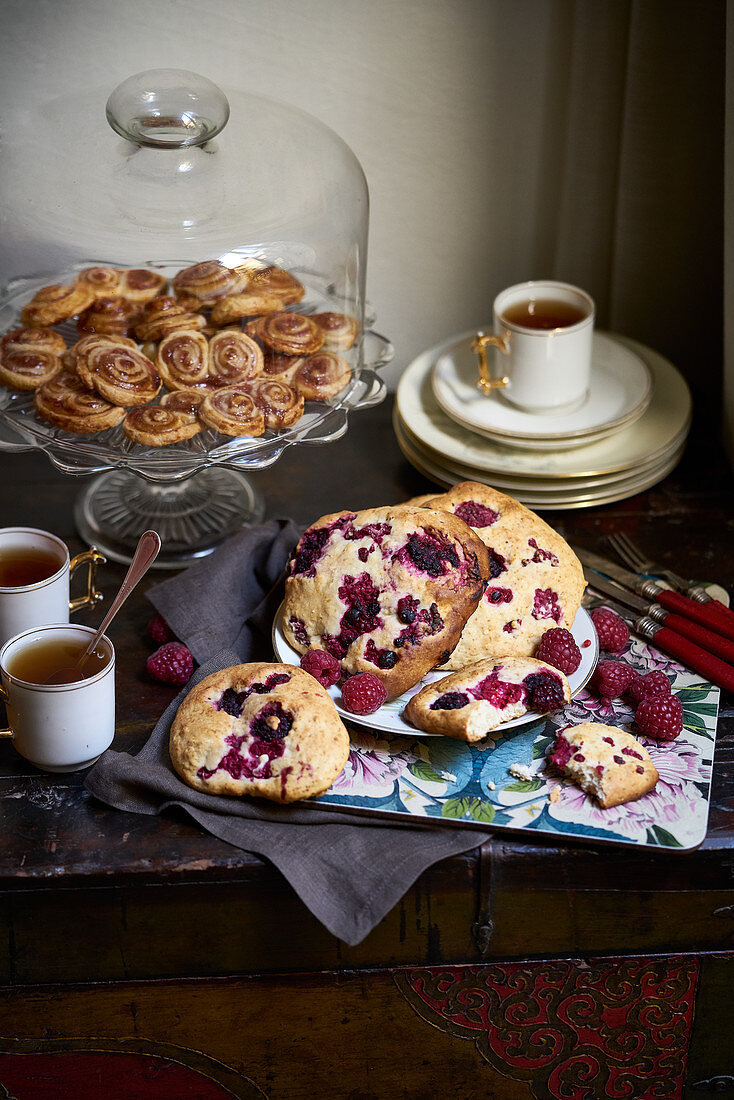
490, 785
555, 794
521, 771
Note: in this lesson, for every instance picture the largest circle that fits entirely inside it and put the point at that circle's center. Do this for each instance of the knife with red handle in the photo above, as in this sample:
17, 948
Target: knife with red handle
676, 645
714, 615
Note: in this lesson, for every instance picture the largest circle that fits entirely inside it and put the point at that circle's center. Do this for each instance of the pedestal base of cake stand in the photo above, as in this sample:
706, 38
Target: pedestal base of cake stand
192, 516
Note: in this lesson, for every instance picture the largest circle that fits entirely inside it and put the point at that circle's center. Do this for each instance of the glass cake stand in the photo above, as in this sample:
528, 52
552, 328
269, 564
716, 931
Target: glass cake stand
196, 493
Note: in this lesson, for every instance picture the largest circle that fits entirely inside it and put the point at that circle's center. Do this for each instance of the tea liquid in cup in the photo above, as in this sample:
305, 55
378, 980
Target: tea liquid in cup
544, 332
60, 718
35, 573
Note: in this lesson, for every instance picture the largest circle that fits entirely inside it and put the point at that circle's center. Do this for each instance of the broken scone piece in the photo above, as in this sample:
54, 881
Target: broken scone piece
471, 703
264, 729
605, 761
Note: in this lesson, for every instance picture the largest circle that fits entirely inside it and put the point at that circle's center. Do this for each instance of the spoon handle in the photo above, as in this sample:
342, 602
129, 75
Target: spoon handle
145, 554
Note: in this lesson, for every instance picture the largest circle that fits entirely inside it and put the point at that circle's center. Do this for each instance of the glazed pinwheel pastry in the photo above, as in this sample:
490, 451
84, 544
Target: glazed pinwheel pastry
290, 334
141, 286
187, 401
208, 281
164, 315
320, 376
232, 412
104, 282
109, 316
52, 304
280, 403
158, 425
251, 303
27, 368
66, 403
74, 358
183, 360
233, 357
119, 373
39, 337
275, 280
282, 367
339, 329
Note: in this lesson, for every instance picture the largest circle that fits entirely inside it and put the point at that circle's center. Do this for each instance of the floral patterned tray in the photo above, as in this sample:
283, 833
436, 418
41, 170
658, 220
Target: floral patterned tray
439, 779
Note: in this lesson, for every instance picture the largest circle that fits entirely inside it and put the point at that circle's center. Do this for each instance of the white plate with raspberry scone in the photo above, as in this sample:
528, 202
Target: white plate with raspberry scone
389, 718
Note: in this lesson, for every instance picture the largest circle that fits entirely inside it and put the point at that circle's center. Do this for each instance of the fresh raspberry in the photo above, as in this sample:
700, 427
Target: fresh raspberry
612, 631
558, 647
652, 683
363, 693
173, 663
660, 716
325, 668
612, 679
160, 631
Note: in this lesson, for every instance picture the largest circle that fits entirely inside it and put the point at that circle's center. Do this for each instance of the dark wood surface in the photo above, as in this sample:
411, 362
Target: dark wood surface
57, 842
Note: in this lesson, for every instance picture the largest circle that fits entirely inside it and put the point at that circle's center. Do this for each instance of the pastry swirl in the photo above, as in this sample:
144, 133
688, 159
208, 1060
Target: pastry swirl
158, 426
233, 357
141, 286
183, 360
250, 303
280, 404
39, 337
164, 315
276, 280
339, 329
208, 281
27, 368
232, 411
320, 376
55, 303
66, 403
187, 400
290, 334
120, 374
74, 358
109, 316
104, 282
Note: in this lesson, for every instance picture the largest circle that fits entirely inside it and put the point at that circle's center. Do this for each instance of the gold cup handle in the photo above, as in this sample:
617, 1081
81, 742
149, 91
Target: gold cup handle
3, 699
479, 346
92, 558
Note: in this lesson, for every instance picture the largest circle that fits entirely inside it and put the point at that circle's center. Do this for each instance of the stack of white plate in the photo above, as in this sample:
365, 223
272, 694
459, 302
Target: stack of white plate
627, 436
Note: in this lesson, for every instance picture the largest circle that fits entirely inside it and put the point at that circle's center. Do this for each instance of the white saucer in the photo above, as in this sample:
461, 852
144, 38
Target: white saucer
389, 718
620, 391
660, 429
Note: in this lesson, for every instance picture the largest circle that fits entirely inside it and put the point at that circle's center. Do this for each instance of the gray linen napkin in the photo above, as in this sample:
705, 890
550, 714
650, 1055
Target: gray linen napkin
349, 870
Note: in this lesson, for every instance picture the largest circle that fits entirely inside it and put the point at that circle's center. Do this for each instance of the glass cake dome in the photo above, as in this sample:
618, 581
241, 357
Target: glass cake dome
169, 173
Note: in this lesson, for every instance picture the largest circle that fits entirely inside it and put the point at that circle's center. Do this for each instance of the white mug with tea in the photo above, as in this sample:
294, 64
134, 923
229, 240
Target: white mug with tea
35, 572
61, 710
544, 331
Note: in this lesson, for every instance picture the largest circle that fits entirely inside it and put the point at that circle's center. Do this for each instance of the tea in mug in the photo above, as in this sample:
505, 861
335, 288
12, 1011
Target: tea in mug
543, 313
24, 565
54, 661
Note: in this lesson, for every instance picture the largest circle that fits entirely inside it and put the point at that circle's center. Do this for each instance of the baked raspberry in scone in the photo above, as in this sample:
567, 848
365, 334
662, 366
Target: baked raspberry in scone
265, 729
471, 703
385, 590
605, 761
535, 581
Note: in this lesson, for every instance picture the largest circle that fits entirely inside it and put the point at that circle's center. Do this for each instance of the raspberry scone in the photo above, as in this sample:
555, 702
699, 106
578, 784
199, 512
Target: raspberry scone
535, 581
605, 761
471, 703
385, 590
263, 729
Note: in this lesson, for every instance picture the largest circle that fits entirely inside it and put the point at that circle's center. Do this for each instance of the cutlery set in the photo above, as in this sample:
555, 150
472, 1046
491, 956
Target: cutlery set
686, 623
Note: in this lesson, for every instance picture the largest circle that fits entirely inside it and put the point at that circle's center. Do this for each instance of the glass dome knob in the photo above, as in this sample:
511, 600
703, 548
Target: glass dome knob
167, 108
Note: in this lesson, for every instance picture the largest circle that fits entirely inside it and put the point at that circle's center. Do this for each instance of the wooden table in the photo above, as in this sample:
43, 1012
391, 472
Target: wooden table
143, 953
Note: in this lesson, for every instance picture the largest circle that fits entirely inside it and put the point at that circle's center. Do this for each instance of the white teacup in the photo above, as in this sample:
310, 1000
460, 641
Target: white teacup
27, 553
59, 727
544, 331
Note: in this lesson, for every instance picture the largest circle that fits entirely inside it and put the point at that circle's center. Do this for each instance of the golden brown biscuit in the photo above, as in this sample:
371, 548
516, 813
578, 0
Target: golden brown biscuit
269, 730
39, 337
281, 405
233, 357
290, 333
384, 590
164, 315
157, 426
187, 400
340, 330
536, 580
275, 280
207, 282
104, 282
66, 403
109, 317
233, 412
119, 373
75, 357
140, 285
469, 704
27, 368
249, 303
605, 761
52, 304
183, 360
319, 377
